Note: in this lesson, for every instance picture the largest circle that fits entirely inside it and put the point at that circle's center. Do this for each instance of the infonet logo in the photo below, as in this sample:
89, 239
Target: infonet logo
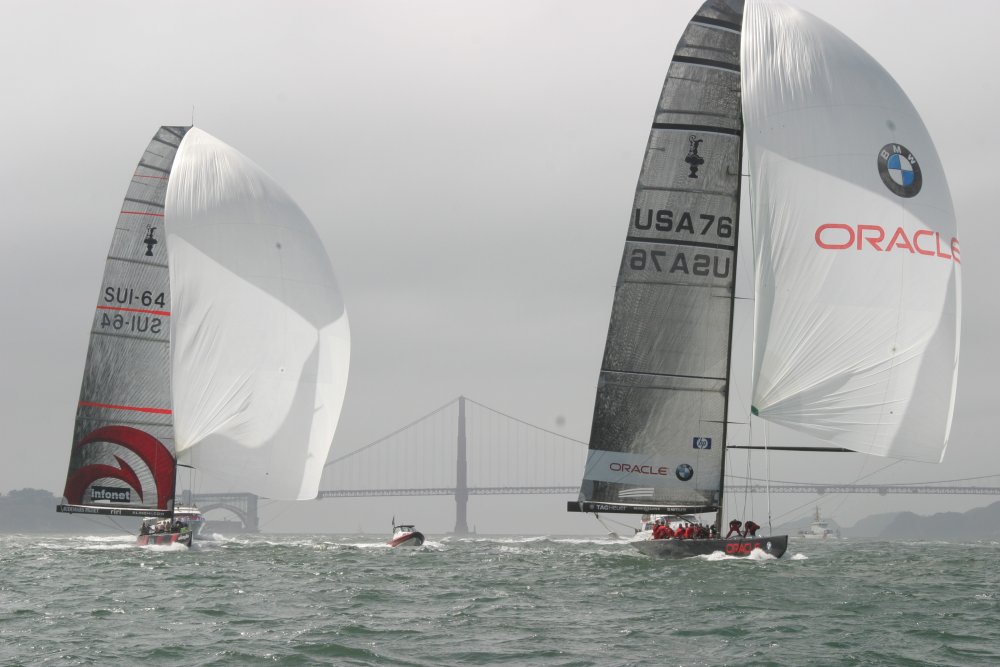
110, 493
837, 236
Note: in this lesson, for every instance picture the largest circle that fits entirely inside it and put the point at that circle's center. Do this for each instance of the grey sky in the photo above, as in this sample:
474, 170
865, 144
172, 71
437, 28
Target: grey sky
470, 168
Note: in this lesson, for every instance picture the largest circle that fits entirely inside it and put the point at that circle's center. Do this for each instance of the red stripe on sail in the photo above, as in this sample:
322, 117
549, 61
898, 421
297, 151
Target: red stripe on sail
165, 313
157, 411
155, 215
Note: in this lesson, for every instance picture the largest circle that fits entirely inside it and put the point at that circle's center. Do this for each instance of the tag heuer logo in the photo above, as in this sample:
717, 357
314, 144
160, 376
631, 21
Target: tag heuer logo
899, 170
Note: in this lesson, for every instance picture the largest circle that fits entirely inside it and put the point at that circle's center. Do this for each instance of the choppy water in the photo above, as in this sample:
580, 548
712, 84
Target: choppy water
321, 600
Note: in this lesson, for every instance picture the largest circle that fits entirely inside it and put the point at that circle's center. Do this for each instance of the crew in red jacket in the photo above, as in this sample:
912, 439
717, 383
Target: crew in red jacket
734, 527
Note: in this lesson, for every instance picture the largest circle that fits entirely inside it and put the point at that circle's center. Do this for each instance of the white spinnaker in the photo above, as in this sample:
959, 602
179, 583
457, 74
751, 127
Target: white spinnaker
260, 337
857, 346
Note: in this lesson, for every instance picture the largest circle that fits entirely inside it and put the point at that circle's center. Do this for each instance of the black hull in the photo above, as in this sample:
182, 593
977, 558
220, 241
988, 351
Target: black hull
738, 546
165, 539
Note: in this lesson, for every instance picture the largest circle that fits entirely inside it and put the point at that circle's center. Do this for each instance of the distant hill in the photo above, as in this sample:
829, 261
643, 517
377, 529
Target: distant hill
34, 511
982, 523
872, 526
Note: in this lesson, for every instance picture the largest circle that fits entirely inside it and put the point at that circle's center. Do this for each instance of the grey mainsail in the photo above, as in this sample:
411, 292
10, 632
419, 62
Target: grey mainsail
659, 427
123, 456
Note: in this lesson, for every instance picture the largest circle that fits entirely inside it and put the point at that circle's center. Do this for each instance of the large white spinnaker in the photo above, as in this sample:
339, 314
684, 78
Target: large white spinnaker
858, 274
260, 337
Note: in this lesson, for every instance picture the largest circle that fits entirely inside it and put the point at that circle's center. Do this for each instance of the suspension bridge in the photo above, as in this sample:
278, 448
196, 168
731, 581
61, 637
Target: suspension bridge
465, 448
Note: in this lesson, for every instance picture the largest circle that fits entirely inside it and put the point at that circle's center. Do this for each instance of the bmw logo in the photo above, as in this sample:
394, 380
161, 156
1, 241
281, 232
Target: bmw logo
899, 170
684, 472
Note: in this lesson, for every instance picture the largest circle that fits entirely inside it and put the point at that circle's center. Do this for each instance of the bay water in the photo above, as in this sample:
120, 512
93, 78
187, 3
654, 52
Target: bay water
351, 600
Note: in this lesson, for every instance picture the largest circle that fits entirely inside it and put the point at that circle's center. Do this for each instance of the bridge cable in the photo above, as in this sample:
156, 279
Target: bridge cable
521, 421
386, 437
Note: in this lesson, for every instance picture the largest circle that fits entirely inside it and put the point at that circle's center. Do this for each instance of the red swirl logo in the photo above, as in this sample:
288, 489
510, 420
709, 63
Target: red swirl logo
151, 451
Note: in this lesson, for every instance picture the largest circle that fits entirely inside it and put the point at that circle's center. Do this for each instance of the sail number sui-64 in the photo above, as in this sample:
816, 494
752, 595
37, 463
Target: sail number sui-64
133, 320
127, 296
131, 323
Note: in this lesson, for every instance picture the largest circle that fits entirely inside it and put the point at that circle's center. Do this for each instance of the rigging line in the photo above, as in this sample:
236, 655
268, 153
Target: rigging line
620, 523
104, 524
611, 533
795, 509
384, 438
942, 481
767, 463
521, 421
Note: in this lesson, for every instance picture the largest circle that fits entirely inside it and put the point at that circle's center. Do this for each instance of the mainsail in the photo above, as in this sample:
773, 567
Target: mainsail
219, 339
659, 423
857, 271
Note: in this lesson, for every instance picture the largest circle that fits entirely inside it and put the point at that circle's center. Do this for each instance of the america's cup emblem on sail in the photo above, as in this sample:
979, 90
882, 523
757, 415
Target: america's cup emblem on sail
899, 170
693, 159
150, 241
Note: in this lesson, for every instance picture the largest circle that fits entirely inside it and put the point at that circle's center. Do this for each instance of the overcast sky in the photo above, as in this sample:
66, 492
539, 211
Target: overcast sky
470, 167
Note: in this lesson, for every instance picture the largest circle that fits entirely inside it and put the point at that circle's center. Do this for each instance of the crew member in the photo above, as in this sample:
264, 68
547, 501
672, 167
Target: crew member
734, 527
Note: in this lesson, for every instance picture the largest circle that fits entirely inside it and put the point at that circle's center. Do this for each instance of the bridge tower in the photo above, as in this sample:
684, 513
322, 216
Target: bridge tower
461, 475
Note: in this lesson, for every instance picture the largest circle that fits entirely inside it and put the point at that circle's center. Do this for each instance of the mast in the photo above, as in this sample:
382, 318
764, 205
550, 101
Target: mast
729, 359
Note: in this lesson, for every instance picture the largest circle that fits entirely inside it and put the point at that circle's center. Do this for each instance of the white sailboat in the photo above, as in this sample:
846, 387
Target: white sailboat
857, 270
219, 342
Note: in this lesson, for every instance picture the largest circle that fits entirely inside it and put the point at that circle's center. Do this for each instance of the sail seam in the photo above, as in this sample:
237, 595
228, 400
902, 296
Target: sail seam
123, 422
143, 201
690, 244
109, 406
149, 166
119, 335
136, 310
166, 143
137, 261
706, 62
697, 128
715, 193
167, 128
717, 23
665, 375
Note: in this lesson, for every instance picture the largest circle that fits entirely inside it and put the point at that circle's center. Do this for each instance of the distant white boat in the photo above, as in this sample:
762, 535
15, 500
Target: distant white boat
819, 530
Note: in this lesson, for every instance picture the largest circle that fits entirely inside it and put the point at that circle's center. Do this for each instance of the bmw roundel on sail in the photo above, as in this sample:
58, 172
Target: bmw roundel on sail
857, 264
219, 338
